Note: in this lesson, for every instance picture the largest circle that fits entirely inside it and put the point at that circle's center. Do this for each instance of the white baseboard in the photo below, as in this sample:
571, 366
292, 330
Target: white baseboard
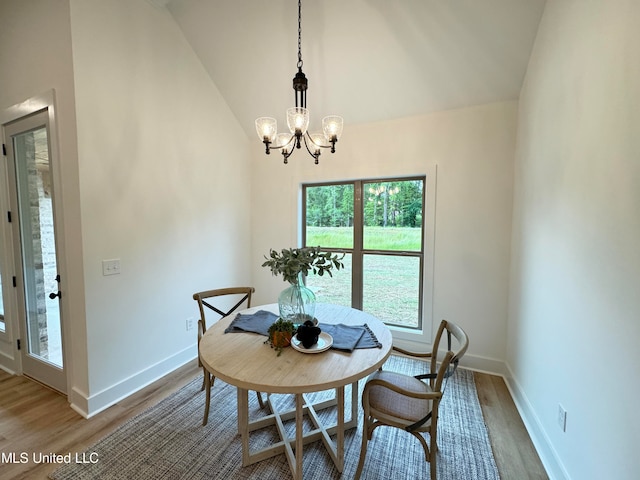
484, 364
548, 456
8, 362
88, 406
8, 370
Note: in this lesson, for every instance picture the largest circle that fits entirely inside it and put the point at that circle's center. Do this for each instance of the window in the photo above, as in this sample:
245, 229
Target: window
379, 226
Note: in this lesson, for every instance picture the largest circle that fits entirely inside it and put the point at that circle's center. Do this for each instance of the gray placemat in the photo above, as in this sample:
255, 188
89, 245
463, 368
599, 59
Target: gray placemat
258, 322
350, 337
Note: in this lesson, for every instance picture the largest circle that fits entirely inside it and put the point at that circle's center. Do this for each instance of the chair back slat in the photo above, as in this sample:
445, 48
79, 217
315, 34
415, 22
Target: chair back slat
202, 297
231, 310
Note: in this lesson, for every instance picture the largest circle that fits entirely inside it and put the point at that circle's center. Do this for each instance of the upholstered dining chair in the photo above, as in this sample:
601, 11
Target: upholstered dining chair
412, 403
239, 295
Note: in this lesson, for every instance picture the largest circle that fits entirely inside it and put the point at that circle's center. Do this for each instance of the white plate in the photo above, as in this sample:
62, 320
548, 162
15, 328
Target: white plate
324, 343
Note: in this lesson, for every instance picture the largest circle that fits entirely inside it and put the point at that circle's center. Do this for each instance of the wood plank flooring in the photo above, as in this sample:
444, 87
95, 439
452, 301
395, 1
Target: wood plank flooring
36, 419
513, 450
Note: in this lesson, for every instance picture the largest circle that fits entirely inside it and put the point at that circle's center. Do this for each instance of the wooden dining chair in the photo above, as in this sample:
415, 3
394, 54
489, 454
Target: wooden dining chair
235, 296
411, 403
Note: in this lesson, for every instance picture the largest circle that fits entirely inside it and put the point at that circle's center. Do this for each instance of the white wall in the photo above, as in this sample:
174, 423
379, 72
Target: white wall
162, 166
473, 149
574, 303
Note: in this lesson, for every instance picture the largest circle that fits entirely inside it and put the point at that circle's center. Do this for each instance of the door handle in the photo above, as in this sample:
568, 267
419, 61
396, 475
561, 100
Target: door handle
59, 294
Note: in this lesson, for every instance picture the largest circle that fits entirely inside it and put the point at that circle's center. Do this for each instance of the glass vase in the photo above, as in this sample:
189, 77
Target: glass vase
297, 303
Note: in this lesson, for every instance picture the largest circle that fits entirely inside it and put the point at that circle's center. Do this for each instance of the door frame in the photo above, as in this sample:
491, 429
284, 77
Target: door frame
12, 359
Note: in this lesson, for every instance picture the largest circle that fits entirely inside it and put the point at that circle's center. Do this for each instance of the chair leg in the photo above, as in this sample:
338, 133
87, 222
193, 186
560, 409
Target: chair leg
433, 452
432, 464
429, 451
366, 435
207, 387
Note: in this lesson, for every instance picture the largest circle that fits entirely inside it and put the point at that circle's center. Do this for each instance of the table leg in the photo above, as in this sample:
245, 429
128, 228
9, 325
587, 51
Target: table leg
299, 436
243, 423
353, 423
287, 444
340, 433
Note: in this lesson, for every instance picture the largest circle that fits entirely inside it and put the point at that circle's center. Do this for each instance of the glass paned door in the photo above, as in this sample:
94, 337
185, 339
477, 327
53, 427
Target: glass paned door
35, 318
37, 241
3, 326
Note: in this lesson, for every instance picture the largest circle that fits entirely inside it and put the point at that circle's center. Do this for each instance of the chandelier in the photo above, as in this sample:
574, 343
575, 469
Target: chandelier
298, 120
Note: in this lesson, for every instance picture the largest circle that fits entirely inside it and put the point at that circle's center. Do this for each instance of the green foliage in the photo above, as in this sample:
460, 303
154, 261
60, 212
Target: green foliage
385, 204
290, 262
393, 204
330, 237
330, 205
375, 238
280, 325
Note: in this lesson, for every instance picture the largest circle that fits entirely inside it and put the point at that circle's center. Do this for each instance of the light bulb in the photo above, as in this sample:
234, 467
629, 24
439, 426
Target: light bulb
298, 120
332, 127
266, 127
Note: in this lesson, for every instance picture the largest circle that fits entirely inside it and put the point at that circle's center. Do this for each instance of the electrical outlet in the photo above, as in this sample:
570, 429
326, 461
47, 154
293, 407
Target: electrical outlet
562, 418
111, 267
190, 323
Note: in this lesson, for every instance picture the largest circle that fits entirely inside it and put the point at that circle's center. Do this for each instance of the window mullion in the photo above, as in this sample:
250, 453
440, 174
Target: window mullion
356, 259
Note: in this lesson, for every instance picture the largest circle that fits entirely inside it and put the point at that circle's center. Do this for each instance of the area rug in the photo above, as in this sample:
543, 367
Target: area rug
168, 441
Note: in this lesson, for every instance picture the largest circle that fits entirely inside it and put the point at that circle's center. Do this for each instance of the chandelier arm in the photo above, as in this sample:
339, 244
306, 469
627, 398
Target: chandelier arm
314, 143
283, 148
315, 156
293, 136
286, 154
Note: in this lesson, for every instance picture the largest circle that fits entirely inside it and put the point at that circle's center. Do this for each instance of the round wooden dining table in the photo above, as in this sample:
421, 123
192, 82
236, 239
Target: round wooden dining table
246, 362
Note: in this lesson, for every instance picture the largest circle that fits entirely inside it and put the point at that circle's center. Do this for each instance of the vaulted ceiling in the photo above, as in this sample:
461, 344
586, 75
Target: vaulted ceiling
367, 60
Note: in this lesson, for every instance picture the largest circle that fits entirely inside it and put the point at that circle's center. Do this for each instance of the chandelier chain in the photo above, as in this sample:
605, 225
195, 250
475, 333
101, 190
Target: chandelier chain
299, 34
